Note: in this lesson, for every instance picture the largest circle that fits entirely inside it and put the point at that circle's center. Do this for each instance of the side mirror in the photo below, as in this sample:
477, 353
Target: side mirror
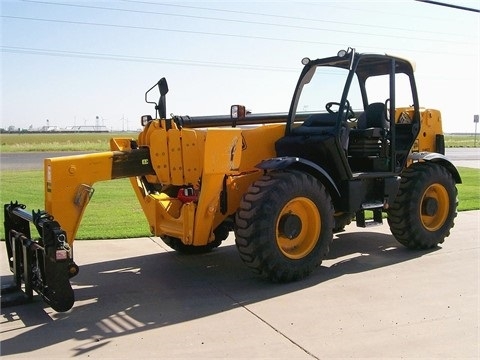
161, 106
163, 86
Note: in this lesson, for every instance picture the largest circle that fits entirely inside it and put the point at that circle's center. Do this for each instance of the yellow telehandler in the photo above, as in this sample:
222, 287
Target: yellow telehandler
354, 140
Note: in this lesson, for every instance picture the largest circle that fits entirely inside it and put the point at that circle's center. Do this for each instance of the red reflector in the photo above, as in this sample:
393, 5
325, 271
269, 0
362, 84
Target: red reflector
187, 195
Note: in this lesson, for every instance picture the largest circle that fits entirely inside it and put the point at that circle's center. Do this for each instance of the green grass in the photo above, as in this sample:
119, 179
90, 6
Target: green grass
469, 189
59, 142
114, 211
100, 141
463, 141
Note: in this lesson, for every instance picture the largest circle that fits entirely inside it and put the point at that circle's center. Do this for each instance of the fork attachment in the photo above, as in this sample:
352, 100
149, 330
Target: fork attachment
44, 265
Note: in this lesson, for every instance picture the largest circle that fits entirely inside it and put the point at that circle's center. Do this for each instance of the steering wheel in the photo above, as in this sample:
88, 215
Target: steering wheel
350, 112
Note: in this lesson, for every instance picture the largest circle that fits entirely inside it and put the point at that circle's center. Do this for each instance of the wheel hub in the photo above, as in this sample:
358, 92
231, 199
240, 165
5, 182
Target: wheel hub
429, 206
290, 226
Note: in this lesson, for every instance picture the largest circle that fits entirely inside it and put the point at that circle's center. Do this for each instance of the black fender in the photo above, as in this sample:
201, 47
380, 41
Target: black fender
440, 159
291, 162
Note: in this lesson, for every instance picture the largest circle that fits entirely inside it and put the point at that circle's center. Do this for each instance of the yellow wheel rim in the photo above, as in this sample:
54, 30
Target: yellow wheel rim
298, 228
434, 207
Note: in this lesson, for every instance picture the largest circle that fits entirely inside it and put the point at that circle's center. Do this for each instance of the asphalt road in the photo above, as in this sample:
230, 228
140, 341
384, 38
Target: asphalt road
467, 157
29, 160
371, 298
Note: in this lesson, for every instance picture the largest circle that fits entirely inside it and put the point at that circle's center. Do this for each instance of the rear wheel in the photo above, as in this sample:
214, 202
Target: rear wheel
425, 208
284, 225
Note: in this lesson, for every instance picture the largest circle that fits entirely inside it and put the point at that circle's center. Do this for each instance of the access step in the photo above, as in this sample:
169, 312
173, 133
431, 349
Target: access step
376, 209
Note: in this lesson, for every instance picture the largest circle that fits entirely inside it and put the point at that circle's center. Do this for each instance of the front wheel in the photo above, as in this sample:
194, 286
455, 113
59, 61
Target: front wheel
283, 227
425, 208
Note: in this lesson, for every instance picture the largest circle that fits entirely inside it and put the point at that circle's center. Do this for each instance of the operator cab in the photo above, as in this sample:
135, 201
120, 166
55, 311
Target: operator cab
343, 114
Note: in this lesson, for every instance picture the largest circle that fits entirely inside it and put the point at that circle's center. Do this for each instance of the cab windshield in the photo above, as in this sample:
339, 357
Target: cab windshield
323, 93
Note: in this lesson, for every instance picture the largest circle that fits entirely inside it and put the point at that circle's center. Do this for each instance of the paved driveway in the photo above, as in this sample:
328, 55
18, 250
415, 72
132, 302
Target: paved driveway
136, 299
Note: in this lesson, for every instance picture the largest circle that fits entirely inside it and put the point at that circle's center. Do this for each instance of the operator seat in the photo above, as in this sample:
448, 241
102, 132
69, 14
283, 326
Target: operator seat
318, 140
372, 128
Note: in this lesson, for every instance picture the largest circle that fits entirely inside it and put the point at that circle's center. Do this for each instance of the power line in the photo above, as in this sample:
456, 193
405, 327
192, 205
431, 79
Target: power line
147, 28
449, 5
142, 59
136, 27
277, 16
282, 25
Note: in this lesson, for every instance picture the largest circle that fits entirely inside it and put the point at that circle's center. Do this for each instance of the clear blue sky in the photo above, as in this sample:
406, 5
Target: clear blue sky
70, 61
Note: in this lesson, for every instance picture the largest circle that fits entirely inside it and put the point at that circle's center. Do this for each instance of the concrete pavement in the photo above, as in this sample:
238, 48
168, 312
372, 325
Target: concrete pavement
371, 298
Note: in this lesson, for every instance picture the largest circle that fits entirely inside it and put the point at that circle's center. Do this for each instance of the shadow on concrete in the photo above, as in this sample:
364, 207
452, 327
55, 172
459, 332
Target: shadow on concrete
133, 295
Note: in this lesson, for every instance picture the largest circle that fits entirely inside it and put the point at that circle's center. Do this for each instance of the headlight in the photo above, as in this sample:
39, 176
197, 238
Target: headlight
237, 111
145, 119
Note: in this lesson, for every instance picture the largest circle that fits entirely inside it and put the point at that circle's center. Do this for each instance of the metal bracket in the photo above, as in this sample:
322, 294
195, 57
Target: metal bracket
83, 195
44, 265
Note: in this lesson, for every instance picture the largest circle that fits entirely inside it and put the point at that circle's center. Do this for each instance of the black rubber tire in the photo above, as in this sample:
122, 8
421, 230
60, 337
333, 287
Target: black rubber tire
265, 206
177, 245
221, 233
425, 208
341, 221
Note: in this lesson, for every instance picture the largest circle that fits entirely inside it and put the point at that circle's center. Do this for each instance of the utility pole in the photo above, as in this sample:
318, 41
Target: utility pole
475, 120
